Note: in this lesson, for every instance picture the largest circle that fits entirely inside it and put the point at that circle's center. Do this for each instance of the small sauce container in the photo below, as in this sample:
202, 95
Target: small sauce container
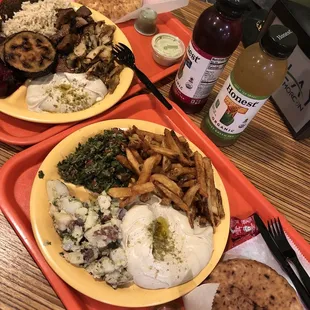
146, 22
167, 49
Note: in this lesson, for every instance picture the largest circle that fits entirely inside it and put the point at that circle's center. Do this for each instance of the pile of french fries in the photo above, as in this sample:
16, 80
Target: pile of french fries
165, 165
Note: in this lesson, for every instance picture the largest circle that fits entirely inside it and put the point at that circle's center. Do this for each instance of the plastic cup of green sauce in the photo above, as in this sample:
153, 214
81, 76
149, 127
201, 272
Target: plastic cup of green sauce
167, 49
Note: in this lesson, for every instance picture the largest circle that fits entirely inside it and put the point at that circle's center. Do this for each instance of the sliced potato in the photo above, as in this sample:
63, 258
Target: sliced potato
124, 162
164, 151
120, 192
190, 194
148, 167
201, 177
211, 190
171, 185
165, 201
186, 151
133, 162
137, 156
166, 163
145, 197
154, 136
175, 198
170, 143
220, 204
140, 189
189, 183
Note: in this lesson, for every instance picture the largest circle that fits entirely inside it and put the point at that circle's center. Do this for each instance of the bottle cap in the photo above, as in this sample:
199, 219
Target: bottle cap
279, 41
232, 8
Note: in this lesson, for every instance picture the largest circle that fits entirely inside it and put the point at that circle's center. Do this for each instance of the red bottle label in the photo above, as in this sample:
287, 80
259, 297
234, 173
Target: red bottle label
197, 74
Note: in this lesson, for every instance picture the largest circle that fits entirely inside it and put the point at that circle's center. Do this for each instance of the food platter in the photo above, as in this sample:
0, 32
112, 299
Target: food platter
50, 243
15, 105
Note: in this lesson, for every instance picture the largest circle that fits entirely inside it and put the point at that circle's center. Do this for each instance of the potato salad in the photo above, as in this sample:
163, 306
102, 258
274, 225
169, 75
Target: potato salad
90, 233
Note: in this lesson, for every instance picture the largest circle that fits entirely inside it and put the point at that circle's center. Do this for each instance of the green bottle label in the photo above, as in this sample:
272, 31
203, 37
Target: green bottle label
232, 110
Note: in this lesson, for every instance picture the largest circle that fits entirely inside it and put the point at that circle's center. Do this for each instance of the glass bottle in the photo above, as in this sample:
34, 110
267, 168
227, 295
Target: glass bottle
258, 72
216, 35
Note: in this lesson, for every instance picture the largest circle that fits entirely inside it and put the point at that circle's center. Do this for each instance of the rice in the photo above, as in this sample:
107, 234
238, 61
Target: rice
38, 17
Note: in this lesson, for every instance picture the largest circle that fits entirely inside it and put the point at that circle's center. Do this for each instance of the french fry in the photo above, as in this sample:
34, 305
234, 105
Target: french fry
165, 201
203, 221
175, 198
169, 169
207, 210
190, 194
216, 220
189, 183
124, 162
137, 156
148, 167
164, 151
166, 163
154, 136
211, 190
124, 203
191, 215
171, 185
220, 204
170, 143
201, 177
145, 197
134, 142
135, 190
133, 162
120, 192
178, 170
187, 177
158, 169
140, 189
185, 150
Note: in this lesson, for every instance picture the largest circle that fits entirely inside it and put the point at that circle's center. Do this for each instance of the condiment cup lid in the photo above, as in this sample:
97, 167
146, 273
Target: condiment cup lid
162, 35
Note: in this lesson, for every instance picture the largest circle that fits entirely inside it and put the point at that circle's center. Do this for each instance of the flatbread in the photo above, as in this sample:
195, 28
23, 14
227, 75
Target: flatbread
248, 282
113, 9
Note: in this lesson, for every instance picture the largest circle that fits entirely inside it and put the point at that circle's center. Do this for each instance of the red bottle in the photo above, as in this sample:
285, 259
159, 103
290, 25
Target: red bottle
216, 35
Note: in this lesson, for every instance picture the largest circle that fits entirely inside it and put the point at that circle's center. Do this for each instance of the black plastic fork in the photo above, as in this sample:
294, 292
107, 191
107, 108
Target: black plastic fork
124, 56
276, 230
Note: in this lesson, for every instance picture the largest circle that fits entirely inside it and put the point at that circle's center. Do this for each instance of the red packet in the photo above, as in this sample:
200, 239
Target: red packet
242, 230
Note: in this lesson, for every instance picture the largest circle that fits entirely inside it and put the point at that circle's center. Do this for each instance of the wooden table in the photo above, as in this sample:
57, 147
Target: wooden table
267, 155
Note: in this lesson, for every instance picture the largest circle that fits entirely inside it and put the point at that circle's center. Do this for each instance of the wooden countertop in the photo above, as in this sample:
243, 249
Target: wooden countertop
266, 154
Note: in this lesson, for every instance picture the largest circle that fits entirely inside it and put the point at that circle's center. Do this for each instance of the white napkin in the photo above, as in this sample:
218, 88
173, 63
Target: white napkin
159, 6
254, 248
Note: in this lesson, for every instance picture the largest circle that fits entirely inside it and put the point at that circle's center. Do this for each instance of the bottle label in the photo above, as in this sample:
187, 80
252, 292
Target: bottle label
232, 110
197, 74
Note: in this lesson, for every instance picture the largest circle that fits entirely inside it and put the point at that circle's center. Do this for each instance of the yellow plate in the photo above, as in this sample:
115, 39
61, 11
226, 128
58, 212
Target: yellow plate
79, 278
16, 106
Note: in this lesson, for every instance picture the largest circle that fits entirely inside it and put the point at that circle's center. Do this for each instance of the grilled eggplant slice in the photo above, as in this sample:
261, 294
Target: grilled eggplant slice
30, 53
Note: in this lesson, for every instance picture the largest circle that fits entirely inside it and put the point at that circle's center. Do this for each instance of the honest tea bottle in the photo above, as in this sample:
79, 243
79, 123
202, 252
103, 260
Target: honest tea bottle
258, 72
216, 35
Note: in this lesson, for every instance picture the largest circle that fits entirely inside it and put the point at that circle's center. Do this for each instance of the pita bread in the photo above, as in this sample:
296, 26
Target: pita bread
113, 9
248, 284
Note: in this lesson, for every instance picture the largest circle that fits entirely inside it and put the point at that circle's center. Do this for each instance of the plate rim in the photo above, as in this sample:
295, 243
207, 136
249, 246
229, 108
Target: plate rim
100, 126
63, 118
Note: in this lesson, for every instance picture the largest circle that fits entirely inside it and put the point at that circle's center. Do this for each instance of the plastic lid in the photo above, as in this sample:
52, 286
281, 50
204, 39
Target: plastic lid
232, 8
279, 41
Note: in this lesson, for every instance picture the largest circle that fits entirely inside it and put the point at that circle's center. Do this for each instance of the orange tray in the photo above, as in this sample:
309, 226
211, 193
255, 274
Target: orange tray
19, 132
18, 173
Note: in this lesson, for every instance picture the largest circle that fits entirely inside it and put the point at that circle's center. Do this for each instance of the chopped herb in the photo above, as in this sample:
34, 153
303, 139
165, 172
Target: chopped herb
47, 243
93, 164
163, 241
41, 174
